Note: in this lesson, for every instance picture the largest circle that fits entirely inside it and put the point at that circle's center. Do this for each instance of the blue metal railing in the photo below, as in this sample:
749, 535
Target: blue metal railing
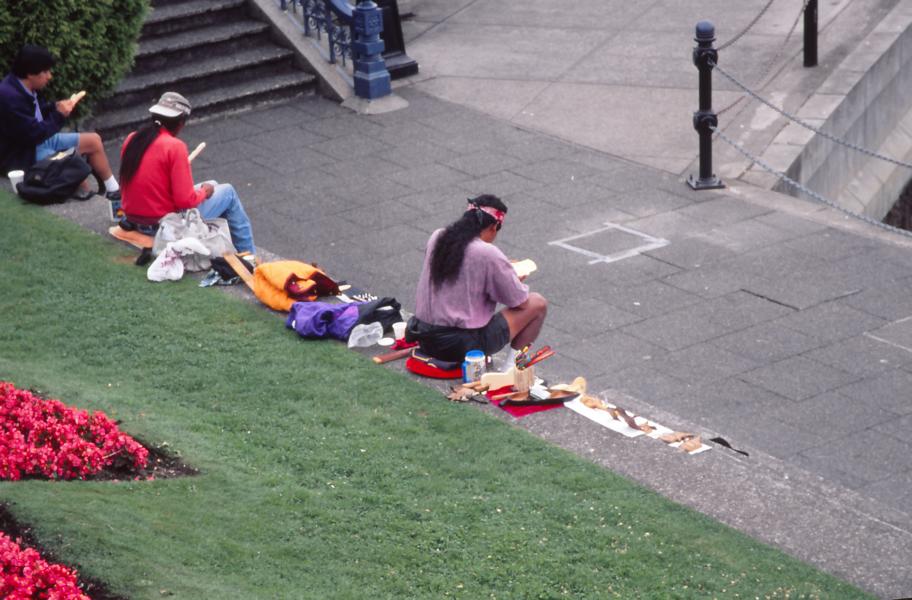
353, 32
330, 17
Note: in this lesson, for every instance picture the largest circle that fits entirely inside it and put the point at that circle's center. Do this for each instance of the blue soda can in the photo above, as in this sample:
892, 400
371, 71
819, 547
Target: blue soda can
473, 366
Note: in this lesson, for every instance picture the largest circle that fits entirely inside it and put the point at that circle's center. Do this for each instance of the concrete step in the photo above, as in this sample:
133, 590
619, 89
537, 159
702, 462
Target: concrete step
215, 101
163, 51
208, 50
173, 17
211, 71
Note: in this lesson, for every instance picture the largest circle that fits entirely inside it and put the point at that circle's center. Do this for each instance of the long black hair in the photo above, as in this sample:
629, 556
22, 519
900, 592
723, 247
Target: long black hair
142, 139
449, 251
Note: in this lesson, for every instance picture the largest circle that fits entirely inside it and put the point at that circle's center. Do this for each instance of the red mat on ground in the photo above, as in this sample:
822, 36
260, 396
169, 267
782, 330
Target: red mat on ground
519, 411
424, 369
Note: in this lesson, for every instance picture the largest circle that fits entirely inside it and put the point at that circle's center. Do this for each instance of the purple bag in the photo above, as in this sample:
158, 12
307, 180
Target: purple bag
322, 319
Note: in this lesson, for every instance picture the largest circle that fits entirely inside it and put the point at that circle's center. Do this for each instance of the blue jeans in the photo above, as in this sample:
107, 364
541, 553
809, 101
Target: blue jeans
55, 144
224, 203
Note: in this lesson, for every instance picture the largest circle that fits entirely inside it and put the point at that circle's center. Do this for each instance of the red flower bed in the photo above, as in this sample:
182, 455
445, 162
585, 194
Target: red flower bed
24, 575
46, 437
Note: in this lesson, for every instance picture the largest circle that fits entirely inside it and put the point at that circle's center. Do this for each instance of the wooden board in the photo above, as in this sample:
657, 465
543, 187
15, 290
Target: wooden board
235, 263
134, 238
391, 356
496, 381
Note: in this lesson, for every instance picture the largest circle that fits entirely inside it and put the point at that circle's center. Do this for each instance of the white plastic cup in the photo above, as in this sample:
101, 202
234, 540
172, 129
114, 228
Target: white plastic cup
399, 330
16, 178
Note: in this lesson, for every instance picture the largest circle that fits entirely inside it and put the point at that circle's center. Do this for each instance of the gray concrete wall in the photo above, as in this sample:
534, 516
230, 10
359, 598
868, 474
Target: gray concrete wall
874, 112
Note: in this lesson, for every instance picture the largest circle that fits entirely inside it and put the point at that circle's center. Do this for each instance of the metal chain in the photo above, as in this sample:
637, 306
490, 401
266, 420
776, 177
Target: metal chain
765, 78
807, 191
748, 28
806, 125
731, 106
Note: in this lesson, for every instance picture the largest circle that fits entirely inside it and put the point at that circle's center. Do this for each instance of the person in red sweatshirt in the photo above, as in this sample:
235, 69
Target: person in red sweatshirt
156, 179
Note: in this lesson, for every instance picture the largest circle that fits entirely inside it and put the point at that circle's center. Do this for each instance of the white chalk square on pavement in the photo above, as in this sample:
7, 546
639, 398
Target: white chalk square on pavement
616, 234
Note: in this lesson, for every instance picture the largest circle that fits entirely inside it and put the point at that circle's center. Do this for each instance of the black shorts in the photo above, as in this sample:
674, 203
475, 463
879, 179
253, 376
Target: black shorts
452, 343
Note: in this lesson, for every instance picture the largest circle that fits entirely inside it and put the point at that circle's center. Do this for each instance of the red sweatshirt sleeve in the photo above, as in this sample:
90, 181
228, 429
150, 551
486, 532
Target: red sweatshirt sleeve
183, 193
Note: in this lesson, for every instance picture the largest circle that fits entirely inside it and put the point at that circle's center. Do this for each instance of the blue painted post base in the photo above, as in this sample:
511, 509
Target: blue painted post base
372, 80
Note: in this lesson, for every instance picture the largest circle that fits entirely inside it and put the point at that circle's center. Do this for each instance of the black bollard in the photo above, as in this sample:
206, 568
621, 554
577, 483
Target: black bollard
704, 120
398, 63
810, 34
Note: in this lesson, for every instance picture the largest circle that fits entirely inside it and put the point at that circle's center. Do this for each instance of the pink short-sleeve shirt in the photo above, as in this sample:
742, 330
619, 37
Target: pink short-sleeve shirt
485, 280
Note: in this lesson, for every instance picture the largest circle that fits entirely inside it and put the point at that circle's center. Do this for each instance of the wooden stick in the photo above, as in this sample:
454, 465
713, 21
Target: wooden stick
196, 151
539, 358
514, 395
235, 263
391, 356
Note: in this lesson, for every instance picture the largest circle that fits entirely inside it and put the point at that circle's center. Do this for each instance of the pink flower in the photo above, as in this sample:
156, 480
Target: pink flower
25, 575
46, 437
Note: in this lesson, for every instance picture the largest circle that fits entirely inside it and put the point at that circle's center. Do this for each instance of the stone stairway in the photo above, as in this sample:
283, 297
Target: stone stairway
211, 51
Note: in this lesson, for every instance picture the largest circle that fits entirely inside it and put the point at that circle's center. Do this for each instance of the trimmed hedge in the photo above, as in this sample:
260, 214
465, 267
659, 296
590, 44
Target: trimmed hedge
94, 41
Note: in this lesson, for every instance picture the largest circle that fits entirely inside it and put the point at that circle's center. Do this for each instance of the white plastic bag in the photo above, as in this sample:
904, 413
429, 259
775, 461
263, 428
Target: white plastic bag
169, 265
213, 233
365, 334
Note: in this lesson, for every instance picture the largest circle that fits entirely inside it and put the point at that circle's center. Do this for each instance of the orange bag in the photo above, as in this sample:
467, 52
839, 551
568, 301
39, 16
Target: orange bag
280, 284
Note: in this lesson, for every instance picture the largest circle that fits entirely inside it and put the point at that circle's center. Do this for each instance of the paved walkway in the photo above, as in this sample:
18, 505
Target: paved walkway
618, 76
767, 320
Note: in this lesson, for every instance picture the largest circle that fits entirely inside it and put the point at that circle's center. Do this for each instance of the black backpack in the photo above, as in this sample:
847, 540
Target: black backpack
384, 310
53, 180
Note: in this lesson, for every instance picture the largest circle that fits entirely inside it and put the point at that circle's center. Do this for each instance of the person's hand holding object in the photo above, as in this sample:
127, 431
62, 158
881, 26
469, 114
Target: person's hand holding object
208, 189
65, 107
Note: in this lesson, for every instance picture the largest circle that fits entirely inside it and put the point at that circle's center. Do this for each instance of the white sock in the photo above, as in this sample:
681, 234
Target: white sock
111, 184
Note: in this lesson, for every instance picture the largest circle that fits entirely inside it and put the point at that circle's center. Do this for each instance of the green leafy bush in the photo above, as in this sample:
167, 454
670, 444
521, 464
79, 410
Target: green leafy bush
94, 41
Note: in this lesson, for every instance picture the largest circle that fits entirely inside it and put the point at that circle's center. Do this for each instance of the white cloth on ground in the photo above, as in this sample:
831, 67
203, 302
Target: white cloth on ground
169, 265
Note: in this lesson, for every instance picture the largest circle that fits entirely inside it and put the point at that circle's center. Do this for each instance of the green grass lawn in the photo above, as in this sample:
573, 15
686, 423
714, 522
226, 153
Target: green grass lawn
322, 474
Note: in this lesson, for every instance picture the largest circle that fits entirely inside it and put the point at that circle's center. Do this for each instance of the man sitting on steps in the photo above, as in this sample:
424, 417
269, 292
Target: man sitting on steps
30, 126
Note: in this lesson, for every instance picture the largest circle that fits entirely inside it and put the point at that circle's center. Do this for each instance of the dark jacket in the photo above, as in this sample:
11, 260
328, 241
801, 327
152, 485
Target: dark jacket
20, 132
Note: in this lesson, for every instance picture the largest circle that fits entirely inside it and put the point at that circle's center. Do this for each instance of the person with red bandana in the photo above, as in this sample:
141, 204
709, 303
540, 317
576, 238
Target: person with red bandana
463, 280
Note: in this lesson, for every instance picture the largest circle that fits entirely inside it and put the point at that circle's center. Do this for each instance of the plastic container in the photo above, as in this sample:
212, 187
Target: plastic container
15, 178
365, 335
473, 367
